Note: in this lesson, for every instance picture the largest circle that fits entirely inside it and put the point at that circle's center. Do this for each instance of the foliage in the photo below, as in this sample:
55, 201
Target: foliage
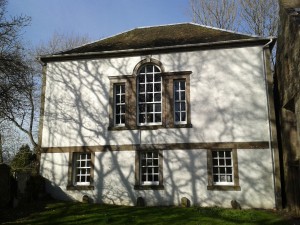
74, 213
23, 160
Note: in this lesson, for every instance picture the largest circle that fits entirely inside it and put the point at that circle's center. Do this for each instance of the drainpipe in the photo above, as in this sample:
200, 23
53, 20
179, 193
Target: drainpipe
272, 125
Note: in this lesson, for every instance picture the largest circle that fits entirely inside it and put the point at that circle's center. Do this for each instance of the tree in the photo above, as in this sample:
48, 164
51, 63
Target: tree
23, 160
217, 13
20, 73
259, 17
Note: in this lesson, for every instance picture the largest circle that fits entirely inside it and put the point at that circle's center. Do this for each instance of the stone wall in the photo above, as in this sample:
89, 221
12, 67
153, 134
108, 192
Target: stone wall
5, 194
287, 91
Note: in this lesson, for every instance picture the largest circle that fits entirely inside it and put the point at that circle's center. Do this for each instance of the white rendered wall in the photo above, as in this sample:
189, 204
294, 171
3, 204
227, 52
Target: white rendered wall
184, 172
228, 99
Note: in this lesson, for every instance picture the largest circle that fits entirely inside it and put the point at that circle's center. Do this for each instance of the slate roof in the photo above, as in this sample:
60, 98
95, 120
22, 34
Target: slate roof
160, 36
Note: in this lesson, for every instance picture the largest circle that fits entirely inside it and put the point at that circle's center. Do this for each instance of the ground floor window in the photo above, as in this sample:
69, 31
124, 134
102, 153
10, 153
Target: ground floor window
222, 169
81, 170
149, 169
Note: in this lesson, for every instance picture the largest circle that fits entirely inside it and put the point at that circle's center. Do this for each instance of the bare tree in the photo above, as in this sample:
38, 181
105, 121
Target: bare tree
20, 77
217, 13
60, 42
259, 17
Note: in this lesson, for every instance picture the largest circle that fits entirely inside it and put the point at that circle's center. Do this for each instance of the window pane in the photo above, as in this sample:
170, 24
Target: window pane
157, 117
142, 87
150, 118
182, 106
142, 70
214, 154
142, 98
141, 79
228, 170
149, 107
157, 97
117, 109
229, 178
182, 85
183, 116
177, 107
157, 87
149, 68
215, 170
228, 161
156, 69
122, 98
149, 78
216, 178
182, 96
142, 108
176, 85
122, 118
149, 87
222, 169
157, 107
149, 98
157, 78
177, 116
141, 118
227, 153
123, 88
176, 95
221, 162
221, 153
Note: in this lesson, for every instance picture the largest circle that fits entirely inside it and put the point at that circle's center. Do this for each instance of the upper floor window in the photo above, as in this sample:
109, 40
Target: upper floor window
149, 95
119, 104
150, 98
179, 102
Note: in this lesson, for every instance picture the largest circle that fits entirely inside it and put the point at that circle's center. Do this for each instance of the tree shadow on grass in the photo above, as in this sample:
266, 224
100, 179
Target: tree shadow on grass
54, 212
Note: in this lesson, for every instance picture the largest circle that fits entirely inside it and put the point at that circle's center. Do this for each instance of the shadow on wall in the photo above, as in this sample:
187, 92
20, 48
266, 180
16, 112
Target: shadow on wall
228, 107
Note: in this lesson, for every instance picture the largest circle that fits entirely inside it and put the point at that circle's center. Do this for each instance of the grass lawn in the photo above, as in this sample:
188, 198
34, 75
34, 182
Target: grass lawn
79, 213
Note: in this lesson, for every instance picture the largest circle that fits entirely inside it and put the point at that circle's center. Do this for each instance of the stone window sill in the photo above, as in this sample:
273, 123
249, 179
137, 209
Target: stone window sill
149, 187
151, 127
80, 188
223, 188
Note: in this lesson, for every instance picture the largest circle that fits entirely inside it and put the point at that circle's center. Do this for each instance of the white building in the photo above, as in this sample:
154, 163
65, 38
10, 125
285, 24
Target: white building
161, 113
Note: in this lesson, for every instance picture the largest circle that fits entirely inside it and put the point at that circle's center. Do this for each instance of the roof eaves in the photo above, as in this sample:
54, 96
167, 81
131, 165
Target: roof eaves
46, 58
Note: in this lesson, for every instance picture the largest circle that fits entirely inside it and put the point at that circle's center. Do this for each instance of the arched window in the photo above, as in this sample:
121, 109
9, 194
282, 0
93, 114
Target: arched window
149, 95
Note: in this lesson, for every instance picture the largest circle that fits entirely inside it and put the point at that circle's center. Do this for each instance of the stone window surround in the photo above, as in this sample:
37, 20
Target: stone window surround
71, 183
168, 78
211, 186
138, 185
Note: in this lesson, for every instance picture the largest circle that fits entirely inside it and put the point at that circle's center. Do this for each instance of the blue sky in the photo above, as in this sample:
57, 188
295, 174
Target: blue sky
95, 18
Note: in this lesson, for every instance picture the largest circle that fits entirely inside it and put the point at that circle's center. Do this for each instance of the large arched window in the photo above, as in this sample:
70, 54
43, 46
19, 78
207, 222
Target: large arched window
149, 95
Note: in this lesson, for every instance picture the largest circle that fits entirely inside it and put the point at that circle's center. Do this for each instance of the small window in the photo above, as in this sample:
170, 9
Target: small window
222, 167
149, 170
149, 83
82, 168
119, 104
149, 166
180, 102
222, 170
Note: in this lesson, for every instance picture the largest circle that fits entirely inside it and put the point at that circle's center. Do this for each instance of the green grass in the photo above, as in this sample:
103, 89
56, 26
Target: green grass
79, 213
